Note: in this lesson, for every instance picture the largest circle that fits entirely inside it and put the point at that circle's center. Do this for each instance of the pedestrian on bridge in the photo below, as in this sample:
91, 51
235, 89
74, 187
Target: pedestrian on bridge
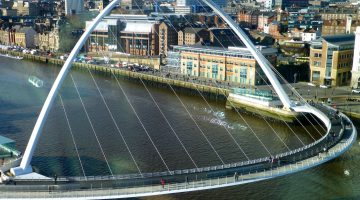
162, 181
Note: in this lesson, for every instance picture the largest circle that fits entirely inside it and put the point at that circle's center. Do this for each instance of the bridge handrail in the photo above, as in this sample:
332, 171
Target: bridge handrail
215, 167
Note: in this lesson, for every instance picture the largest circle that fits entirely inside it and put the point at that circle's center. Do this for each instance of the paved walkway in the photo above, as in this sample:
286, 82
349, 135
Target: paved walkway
219, 182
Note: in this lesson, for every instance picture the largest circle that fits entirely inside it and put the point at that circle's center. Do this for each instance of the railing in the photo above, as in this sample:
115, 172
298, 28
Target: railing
251, 165
9, 164
192, 185
211, 168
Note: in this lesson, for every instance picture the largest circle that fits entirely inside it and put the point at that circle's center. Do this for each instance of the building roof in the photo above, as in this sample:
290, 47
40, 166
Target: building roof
139, 27
22, 29
337, 40
340, 39
242, 52
192, 30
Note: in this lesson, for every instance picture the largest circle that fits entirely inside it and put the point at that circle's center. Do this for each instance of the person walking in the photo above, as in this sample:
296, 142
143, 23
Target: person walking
236, 176
162, 181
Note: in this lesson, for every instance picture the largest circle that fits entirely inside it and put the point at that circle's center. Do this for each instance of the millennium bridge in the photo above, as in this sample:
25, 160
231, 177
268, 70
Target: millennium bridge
339, 137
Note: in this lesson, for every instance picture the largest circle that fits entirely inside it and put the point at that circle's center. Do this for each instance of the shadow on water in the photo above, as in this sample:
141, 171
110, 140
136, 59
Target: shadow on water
48, 166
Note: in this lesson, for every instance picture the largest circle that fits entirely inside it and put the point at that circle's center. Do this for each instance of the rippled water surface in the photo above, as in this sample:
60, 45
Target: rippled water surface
102, 150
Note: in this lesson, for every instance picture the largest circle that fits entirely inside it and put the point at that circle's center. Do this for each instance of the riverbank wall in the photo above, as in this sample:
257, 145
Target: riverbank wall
186, 87
209, 92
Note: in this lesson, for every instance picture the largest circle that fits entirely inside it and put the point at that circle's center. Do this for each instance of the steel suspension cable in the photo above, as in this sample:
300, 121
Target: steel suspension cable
123, 91
133, 109
237, 110
227, 130
114, 121
72, 136
269, 64
225, 95
192, 116
169, 124
91, 124
141, 123
197, 125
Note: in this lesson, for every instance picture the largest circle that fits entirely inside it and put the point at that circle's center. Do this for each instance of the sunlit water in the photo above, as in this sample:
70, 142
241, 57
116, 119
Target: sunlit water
101, 148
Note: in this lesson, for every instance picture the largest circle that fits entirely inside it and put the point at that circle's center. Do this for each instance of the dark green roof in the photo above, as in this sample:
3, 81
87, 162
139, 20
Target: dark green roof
340, 39
4, 140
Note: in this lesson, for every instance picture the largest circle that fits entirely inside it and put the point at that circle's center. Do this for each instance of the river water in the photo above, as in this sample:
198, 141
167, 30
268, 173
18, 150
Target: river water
199, 127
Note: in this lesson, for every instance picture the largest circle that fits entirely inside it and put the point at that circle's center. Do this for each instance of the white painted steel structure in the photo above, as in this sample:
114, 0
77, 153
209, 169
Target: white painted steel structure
25, 167
263, 62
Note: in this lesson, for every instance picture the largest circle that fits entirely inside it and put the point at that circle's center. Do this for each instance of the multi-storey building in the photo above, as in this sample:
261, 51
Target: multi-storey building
309, 20
234, 64
191, 36
339, 13
331, 59
248, 19
339, 26
131, 34
26, 8
264, 19
19, 36
309, 35
140, 38
167, 36
289, 3
211, 19
74, 6
355, 78
105, 37
224, 37
7, 36
48, 41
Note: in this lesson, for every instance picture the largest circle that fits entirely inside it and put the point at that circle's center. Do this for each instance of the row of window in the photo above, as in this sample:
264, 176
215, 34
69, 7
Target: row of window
317, 55
344, 56
343, 65
221, 61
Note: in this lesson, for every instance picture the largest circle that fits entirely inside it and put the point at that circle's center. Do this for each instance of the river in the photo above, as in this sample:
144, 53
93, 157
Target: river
202, 133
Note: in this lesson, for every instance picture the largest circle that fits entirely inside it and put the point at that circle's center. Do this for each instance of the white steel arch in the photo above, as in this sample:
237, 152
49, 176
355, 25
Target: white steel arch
264, 64
25, 166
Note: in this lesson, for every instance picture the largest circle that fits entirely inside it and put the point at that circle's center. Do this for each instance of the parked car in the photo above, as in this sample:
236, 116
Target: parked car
356, 91
325, 86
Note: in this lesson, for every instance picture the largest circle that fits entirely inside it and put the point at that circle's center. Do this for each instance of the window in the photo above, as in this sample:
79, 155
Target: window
317, 63
317, 55
189, 67
214, 71
316, 76
243, 75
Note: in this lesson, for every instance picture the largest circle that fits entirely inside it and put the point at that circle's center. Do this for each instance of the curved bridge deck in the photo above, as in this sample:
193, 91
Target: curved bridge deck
124, 186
